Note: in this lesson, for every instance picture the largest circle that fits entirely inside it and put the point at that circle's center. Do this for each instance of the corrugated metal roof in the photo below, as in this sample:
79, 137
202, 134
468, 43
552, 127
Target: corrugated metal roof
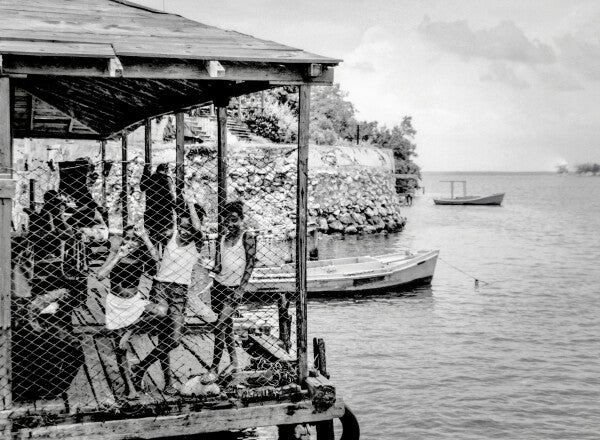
87, 27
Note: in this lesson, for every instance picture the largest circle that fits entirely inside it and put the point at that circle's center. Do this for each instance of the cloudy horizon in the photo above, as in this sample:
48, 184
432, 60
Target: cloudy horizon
491, 86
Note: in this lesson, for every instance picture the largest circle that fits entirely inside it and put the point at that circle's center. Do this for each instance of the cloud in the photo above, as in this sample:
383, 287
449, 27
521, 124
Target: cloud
503, 73
504, 42
557, 78
582, 56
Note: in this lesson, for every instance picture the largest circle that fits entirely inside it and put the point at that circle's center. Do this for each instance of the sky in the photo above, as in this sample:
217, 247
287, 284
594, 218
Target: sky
491, 85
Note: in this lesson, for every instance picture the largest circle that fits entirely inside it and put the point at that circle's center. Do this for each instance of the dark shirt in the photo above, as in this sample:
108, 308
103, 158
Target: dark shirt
159, 202
47, 232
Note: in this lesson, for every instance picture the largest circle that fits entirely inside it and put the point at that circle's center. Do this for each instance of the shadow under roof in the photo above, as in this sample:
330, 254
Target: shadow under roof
110, 64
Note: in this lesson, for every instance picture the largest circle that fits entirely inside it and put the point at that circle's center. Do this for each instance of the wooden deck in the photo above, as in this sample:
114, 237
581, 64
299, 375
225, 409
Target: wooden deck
98, 390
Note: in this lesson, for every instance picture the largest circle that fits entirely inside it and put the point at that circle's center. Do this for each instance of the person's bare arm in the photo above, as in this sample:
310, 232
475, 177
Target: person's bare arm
143, 235
196, 221
112, 262
250, 248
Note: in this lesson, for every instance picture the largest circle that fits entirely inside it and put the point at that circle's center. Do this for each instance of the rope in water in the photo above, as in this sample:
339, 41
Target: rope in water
476, 280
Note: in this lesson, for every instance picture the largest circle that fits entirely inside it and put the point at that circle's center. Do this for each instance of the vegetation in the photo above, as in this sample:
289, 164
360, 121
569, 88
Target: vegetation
333, 122
588, 168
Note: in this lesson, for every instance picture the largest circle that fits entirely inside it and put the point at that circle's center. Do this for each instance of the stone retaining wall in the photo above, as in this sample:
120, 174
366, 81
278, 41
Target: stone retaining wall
350, 189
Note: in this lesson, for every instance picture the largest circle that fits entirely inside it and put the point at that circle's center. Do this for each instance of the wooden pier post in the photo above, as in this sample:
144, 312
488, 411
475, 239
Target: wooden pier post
301, 215
32, 195
124, 181
221, 166
148, 143
103, 161
7, 191
179, 155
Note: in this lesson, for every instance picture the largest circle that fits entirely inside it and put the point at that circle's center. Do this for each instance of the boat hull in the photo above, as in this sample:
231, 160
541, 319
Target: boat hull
494, 199
346, 276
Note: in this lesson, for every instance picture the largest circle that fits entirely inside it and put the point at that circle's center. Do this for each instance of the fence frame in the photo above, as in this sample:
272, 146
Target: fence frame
104, 93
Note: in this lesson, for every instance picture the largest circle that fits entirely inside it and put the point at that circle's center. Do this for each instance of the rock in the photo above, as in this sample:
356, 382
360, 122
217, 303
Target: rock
346, 218
336, 226
322, 225
351, 230
358, 218
368, 229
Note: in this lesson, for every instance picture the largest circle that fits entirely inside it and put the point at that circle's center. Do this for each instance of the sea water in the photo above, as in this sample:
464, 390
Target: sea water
517, 357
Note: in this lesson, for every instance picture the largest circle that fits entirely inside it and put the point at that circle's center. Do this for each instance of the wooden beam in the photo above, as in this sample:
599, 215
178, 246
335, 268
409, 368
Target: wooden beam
7, 187
179, 155
134, 67
115, 68
54, 134
148, 142
206, 421
214, 69
31, 110
5, 126
124, 181
221, 165
301, 216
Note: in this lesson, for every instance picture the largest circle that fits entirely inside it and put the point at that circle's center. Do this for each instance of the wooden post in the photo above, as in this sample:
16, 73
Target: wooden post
285, 321
262, 101
148, 143
325, 430
7, 188
32, 195
221, 166
103, 160
124, 180
301, 215
179, 156
452, 189
5, 127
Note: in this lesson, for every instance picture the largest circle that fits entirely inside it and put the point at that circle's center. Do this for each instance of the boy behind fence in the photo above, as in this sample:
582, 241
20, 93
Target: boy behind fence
170, 291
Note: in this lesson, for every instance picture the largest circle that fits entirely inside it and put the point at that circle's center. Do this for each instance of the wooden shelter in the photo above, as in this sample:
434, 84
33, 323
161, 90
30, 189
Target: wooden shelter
97, 69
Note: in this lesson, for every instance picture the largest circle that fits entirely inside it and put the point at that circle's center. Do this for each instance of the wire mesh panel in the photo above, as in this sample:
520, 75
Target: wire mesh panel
166, 306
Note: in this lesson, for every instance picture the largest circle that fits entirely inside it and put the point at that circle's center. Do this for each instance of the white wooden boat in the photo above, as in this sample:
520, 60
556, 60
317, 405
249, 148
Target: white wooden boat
494, 199
349, 275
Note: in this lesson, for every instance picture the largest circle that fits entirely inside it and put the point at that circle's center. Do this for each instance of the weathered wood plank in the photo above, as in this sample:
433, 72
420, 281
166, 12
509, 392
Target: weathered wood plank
80, 394
221, 166
148, 142
188, 424
321, 391
52, 48
98, 380
108, 362
179, 155
301, 216
124, 181
6, 194
5, 133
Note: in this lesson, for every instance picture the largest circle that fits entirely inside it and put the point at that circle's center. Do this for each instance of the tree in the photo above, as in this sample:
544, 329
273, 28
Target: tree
332, 121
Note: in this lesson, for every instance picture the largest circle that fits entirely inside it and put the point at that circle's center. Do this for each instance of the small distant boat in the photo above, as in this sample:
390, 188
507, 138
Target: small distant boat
349, 275
494, 199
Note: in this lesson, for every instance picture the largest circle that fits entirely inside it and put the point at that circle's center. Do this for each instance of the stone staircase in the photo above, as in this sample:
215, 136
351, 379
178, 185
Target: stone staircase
239, 129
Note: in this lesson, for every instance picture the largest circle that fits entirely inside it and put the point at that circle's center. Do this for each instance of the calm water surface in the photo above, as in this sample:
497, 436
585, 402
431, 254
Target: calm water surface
517, 358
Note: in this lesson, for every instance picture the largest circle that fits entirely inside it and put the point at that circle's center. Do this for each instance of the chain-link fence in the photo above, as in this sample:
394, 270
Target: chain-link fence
184, 301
